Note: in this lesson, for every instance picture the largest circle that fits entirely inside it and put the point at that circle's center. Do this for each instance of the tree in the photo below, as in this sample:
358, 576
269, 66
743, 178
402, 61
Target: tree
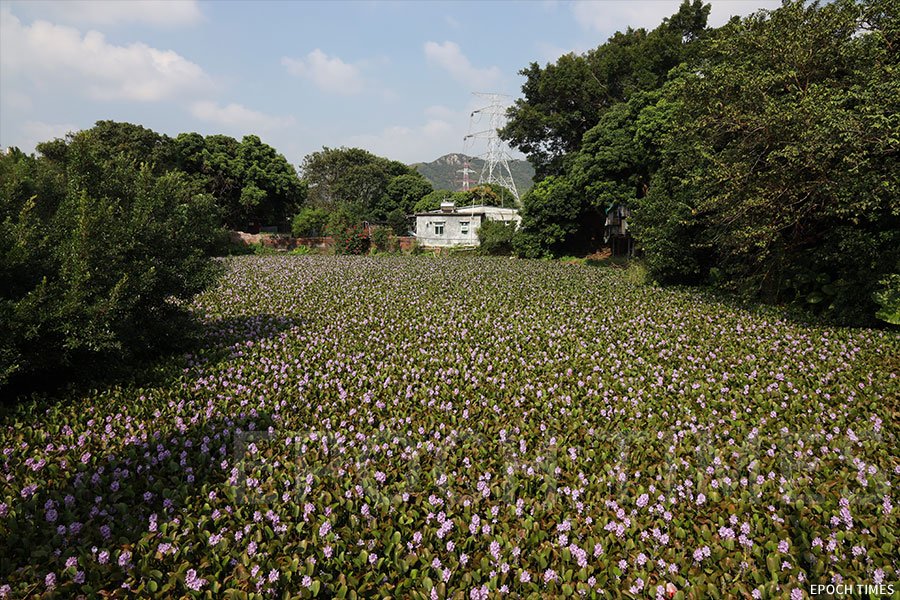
563, 100
398, 222
783, 161
250, 181
356, 179
348, 233
99, 257
551, 213
309, 222
134, 142
495, 238
403, 192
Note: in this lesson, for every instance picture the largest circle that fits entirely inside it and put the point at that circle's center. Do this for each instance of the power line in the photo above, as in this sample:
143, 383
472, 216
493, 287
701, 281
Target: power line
496, 155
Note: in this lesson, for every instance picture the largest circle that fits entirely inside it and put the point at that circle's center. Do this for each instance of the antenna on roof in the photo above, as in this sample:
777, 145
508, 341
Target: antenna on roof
496, 156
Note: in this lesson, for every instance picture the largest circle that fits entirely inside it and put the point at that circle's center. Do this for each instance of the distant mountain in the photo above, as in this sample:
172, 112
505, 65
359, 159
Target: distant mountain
444, 174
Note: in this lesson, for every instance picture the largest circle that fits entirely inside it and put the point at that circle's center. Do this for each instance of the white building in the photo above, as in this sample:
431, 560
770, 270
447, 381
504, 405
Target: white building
451, 226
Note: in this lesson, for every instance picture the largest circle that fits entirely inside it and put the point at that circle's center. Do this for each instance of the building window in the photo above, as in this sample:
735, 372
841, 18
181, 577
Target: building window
464, 227
438, 229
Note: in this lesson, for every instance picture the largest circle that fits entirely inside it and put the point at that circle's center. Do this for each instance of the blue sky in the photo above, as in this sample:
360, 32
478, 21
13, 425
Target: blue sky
395, 78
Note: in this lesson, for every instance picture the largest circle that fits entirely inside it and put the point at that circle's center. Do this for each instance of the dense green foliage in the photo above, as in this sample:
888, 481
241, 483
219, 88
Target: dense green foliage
495, 238
249, 181
784, 151
761, 157
369, 187
381, 239
309, 222
98, 255
563, 100
350, 237
551, 430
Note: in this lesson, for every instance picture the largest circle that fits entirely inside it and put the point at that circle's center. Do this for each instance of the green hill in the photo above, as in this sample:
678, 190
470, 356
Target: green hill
443, 173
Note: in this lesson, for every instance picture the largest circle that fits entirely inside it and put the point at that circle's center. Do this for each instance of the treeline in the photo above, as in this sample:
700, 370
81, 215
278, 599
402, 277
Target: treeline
350, 185
760, 157
99, 255
107, 234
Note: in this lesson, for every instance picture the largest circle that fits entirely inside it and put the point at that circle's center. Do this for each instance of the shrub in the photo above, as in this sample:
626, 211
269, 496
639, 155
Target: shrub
309, 222
349, 236
397, 221
887, 297
381, 239
496, 238
527, 244
98, 257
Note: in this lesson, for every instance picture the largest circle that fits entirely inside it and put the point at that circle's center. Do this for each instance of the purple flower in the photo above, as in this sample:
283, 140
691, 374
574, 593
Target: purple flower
192, 581
701, 553
50, 580
783, 546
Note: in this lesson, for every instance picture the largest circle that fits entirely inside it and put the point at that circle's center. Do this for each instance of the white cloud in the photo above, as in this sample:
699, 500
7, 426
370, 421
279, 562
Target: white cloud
16, 100
607, 17
722, 11
450, 57
164, 13
551, 52
53, 54
440, 112
422, 143
31, 133
329, 74
238, 117
442, 132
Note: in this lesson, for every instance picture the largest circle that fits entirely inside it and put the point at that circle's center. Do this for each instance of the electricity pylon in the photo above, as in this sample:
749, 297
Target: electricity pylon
496, 156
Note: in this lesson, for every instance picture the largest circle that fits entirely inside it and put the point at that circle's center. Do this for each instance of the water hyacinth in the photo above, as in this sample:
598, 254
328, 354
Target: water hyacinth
413, 427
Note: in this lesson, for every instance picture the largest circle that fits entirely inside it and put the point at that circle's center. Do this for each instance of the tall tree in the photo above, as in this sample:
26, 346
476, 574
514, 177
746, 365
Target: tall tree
784, 158
369, 186
98, 256
563, 100
250, 181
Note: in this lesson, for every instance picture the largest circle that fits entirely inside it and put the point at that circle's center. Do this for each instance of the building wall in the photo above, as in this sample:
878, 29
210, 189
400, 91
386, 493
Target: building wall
453, 234
495, 213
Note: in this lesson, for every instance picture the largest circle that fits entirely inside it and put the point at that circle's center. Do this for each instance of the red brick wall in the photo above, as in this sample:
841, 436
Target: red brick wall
286, 242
